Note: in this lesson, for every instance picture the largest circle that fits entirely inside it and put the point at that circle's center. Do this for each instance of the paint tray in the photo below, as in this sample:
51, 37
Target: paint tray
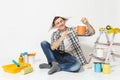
12, 68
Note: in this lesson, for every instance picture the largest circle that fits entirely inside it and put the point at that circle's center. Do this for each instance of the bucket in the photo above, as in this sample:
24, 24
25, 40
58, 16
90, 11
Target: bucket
106, 68
81, 30
97, 67
100, 52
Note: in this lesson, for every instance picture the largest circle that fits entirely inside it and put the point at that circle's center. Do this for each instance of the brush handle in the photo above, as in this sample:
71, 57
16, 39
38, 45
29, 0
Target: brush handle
16, 63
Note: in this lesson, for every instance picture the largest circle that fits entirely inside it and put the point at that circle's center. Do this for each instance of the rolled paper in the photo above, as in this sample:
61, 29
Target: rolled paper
25, 57
27, 70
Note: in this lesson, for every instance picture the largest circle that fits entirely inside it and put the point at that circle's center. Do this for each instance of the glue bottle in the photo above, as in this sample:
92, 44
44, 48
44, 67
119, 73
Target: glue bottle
21, 59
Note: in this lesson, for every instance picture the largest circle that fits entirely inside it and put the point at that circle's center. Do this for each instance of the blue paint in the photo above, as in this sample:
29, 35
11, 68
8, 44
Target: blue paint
97, 67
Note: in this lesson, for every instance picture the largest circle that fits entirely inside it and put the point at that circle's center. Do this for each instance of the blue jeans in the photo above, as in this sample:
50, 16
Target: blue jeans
66, 61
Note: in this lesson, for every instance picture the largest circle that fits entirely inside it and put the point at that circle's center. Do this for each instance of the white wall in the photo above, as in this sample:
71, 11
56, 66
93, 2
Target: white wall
24, 23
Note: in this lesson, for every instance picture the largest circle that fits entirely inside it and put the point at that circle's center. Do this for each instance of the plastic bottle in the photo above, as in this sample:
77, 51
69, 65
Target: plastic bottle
21, 59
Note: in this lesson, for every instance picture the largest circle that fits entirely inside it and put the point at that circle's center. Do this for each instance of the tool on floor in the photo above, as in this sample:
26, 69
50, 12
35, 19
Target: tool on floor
27, 70
16, 63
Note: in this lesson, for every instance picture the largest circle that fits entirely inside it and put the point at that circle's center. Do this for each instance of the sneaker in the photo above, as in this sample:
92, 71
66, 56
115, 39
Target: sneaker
45, 66
55, 68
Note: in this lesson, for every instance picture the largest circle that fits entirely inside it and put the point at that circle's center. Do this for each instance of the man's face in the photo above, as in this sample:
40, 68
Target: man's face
60, 23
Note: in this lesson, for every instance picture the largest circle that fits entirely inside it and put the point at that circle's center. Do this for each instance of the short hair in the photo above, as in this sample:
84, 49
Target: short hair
55, 18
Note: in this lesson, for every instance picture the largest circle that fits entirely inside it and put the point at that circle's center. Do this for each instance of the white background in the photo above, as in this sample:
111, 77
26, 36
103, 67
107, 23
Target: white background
25, 23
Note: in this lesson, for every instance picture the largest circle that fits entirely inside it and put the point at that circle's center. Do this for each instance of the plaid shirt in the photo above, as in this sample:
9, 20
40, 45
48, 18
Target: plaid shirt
73, 38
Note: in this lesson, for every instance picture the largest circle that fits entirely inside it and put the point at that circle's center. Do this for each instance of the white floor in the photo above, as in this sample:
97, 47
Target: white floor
41, 74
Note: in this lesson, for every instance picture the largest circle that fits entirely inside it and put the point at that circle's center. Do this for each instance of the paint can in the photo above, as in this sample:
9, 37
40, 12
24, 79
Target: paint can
100, 52
106, 68
81, 30
97, 67
31, 58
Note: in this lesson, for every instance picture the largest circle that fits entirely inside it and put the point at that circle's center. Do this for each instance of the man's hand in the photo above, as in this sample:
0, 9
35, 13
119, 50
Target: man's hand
84, 21
63, 35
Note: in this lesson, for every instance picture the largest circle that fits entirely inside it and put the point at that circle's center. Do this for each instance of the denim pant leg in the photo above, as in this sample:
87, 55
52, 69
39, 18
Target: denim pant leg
70, 63
47, 51
66, 61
